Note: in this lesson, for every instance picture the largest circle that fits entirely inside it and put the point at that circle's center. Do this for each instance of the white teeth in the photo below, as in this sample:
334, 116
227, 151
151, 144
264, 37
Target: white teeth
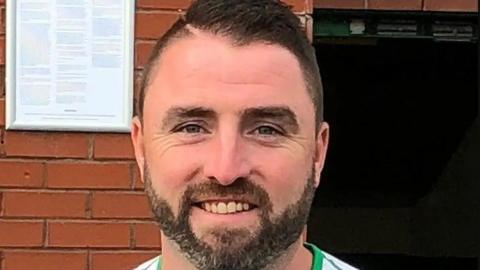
225, 208
214, 208
239, 207
231, 207
222, 208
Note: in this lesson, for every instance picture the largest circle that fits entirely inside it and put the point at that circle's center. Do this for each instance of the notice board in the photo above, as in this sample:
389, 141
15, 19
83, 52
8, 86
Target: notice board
69, 65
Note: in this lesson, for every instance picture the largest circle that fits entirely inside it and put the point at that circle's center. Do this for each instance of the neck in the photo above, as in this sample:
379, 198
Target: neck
296, 257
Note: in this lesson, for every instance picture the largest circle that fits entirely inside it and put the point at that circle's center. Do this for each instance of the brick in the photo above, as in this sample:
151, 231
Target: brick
44, 260
343, 4
88, 175
2, 111
2, 50
395, 4
44, 204
2, 18
117, 146
21, 174
142, 53
298, 5
2, 82
163, 4
21, 233
152, 25
2, 142
88, 234
305, 6
120, 205
147, 235
46, 144
119, 260
451, 5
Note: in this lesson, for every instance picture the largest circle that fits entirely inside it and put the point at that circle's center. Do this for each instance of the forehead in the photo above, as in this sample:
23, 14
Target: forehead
205, 68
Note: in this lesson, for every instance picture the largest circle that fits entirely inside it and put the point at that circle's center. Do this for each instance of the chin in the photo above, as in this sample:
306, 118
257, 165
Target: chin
222, 239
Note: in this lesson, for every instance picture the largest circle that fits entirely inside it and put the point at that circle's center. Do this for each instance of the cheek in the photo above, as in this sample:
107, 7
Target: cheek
285, 176
170, 173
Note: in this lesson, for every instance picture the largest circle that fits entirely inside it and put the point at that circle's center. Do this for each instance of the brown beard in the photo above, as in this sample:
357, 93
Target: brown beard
257, 249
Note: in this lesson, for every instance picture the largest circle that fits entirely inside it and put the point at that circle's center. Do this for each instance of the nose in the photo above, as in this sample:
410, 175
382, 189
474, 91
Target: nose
227, 159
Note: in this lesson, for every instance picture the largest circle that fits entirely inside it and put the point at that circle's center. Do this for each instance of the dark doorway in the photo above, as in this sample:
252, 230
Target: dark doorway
398, 110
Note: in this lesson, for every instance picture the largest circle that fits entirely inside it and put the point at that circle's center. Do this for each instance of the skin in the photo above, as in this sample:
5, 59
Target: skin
218, 112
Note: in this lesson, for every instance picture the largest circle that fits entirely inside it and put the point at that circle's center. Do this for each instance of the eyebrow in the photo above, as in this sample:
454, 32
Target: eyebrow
282, 114
175, 114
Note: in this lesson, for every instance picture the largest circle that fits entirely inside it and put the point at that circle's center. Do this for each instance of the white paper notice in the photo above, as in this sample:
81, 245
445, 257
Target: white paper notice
72, 60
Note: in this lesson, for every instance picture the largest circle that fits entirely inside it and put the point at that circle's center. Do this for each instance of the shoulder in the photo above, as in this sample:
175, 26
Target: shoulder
332, 263
151, 264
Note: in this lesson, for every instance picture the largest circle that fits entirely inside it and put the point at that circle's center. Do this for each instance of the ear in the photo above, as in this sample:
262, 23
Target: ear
138, 144
321, 146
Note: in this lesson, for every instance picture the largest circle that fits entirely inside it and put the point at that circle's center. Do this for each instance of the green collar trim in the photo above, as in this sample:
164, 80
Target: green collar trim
317, 254
317, 260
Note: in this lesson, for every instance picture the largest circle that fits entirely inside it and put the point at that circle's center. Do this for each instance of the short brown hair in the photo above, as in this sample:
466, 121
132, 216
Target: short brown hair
244, 22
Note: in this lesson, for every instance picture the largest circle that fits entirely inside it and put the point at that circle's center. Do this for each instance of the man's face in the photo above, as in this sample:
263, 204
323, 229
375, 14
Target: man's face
228, 147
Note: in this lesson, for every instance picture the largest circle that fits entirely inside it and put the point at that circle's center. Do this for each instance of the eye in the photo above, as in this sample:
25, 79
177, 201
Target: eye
267, 131
191, 129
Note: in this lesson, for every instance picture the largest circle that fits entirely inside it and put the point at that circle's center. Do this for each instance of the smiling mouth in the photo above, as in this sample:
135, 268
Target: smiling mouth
225, 208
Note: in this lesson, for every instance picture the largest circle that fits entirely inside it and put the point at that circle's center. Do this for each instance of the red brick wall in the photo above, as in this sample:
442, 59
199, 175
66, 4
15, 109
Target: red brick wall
413, 5
73, 200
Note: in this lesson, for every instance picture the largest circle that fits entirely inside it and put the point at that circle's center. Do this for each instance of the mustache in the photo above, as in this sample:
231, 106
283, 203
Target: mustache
241, 189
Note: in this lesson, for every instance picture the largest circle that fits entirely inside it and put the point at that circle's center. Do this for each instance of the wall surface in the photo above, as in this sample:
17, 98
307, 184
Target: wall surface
74, 200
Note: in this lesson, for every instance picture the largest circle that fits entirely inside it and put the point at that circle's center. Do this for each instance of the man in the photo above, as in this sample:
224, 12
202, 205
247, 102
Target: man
230, 139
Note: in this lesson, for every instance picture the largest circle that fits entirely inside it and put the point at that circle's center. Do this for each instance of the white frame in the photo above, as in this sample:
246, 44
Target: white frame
12, 121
